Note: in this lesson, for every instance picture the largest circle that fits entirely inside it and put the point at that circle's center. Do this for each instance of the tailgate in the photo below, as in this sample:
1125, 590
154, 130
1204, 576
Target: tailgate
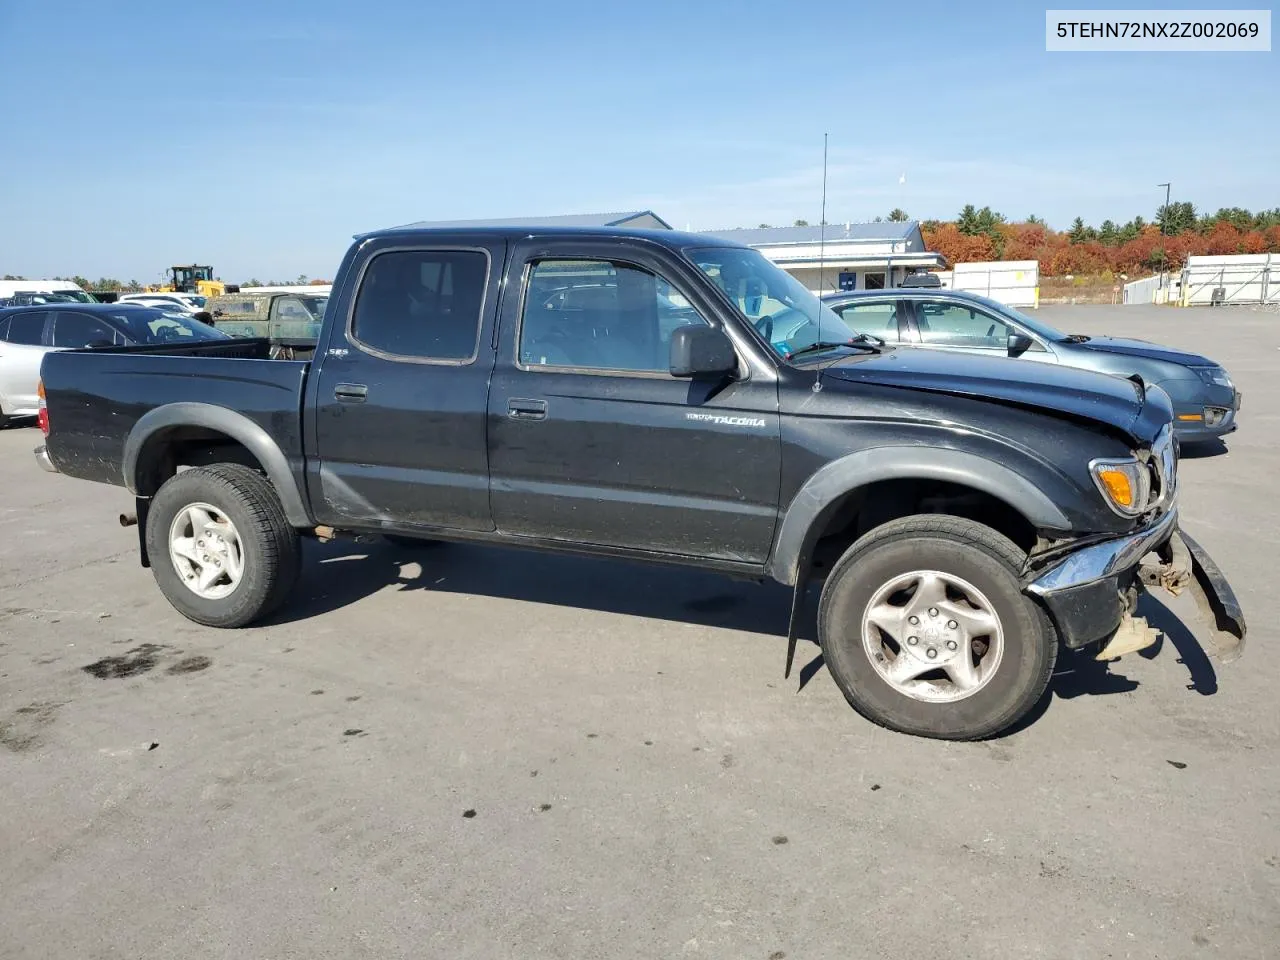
96, 397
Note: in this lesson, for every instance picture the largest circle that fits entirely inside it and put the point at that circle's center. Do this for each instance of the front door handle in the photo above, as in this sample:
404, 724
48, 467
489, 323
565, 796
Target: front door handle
350, 392
518, 409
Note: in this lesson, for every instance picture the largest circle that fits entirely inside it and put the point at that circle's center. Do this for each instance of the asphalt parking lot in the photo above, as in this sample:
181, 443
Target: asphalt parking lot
464, 752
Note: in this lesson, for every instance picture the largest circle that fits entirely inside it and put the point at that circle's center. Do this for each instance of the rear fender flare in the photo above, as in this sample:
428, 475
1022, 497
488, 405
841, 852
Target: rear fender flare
801, 524
139, 447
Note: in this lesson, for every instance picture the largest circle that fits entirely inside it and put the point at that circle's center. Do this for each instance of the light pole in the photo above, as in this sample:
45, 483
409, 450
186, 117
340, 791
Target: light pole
1163, 223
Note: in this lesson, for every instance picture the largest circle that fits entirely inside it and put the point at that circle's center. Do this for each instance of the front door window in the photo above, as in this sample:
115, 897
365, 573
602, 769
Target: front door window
947, 324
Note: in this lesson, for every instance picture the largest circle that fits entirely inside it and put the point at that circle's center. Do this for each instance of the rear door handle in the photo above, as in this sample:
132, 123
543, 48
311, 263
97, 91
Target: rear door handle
518, 409
350, 392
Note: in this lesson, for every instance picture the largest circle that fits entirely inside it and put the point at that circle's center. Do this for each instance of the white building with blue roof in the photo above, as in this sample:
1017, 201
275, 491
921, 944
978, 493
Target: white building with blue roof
843, 256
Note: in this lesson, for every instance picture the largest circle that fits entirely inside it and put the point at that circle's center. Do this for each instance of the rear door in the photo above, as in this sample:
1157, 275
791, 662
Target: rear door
400, 395
591, 440
966, 327
23, 344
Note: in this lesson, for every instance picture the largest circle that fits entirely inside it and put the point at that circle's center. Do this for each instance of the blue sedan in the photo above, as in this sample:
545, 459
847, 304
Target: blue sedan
1206, 402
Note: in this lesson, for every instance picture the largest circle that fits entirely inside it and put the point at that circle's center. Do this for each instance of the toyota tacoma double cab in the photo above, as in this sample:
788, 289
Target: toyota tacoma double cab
662, 396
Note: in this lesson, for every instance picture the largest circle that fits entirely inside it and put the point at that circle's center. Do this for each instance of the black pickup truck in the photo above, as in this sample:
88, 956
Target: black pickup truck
626, 393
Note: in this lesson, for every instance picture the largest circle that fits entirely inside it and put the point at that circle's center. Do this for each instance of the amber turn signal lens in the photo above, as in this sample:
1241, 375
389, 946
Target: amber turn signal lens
1118, 486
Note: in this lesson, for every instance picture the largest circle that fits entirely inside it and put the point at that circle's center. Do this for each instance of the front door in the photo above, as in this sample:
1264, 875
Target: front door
400, 395
591, 440
965, 327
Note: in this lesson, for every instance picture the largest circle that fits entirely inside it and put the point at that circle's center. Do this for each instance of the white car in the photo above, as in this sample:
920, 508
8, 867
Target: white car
28, 333
64, 289
185, 302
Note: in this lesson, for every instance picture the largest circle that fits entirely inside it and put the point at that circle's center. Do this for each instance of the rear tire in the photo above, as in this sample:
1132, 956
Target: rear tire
980, 652
245, 511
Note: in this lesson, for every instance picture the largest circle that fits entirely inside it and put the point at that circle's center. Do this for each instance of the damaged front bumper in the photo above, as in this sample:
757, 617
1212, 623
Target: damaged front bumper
1090, 593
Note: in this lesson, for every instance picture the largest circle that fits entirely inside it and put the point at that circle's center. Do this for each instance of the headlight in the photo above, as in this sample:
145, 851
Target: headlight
1213, 375
1124, 484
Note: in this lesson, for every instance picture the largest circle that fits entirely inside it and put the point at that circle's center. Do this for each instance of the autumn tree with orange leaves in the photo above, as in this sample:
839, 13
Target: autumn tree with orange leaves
1136, 247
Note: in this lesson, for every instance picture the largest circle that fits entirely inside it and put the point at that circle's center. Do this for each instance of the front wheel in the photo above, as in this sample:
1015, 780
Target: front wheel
925, 629
221, 549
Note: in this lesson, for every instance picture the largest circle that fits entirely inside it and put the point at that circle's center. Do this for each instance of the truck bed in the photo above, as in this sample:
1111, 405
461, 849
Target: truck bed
97, 396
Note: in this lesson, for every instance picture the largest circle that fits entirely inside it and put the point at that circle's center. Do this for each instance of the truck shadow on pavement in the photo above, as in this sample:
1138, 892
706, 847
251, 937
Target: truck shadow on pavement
1078, 674
341, 573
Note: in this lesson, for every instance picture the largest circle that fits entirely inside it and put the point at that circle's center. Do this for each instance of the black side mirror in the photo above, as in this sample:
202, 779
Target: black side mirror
1019, 343
701, 351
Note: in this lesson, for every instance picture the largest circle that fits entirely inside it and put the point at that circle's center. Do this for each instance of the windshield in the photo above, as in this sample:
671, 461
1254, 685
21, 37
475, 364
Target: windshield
77, 296
774, 302
145, 325
1035, 325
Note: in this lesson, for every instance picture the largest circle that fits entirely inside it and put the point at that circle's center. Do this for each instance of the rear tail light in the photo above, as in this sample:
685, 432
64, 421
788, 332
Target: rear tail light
42, 417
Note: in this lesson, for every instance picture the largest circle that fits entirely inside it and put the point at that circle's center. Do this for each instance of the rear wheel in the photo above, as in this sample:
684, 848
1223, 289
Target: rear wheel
221, 549
925, 629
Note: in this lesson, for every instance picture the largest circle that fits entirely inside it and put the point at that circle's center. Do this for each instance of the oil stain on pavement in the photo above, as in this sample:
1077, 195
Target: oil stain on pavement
139, 660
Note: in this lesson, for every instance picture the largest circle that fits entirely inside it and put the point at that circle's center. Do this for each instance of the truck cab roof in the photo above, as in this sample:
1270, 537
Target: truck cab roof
671, 239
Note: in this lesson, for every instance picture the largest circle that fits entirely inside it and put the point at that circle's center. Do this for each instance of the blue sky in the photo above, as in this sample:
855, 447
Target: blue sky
259, 136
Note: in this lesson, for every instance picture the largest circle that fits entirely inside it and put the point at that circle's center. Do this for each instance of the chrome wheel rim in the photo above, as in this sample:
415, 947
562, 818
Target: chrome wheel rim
206, 551
933, 636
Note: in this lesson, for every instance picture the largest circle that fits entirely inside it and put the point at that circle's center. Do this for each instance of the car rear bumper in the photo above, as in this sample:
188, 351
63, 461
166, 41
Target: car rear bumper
1087, 592
42, 458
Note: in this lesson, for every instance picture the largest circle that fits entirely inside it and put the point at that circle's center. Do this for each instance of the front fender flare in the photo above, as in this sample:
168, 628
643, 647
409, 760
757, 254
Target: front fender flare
839, 477
236, 426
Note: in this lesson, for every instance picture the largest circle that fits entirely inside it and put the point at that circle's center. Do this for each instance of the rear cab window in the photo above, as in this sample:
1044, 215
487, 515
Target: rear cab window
422, 305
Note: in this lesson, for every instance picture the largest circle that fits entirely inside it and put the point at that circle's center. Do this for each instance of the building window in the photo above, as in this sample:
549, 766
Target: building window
873, 281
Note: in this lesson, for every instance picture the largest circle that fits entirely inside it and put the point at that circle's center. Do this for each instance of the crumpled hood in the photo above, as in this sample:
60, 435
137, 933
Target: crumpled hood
1115, 401
1144, 349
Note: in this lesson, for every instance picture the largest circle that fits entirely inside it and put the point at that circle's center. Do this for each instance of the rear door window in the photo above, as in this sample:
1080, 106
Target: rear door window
81, 330
422, 304
27, 328
879, 318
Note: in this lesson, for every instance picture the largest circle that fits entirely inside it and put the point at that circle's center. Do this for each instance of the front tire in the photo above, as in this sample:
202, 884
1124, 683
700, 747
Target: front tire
221, 549
925, 629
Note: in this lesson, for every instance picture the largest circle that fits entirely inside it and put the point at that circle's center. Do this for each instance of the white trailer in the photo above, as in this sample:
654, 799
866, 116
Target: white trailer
315, 289
9, 288
1014, 282
1237, 278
